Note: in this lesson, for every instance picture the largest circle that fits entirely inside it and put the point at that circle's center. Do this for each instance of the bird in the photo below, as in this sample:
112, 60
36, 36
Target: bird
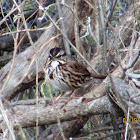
65, 73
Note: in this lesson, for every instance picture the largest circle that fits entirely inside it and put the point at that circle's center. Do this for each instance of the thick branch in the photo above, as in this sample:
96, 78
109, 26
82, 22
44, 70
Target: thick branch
7, 42
25, 116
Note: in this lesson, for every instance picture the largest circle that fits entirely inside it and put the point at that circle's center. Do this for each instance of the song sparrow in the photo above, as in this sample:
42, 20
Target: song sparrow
65, 73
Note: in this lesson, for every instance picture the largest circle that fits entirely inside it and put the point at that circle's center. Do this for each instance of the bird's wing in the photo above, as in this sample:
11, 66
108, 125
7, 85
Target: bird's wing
76, 67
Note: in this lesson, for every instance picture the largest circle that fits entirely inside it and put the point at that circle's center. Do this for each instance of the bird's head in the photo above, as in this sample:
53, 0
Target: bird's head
57, 53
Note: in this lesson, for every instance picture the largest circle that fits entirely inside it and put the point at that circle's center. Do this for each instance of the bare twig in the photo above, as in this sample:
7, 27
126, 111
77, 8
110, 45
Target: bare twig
104, 37
112, 10
66, 44
76, 27
55, 110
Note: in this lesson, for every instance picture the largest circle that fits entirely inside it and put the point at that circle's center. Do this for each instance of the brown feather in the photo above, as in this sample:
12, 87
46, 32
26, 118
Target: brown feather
77, 67
98, 76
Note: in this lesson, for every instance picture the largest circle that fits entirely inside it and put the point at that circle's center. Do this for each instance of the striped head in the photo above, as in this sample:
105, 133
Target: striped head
56, 53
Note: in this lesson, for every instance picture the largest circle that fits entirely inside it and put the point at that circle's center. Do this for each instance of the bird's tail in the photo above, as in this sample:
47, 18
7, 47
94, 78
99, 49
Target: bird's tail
98, 76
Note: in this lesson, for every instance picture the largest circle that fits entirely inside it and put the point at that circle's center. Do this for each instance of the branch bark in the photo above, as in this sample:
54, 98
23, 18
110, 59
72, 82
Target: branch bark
25, 116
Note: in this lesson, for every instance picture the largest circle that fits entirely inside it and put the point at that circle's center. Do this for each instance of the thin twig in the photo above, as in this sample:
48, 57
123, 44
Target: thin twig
34, 58
76, 27
104, 37
60, 13
112, 10
55, 109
